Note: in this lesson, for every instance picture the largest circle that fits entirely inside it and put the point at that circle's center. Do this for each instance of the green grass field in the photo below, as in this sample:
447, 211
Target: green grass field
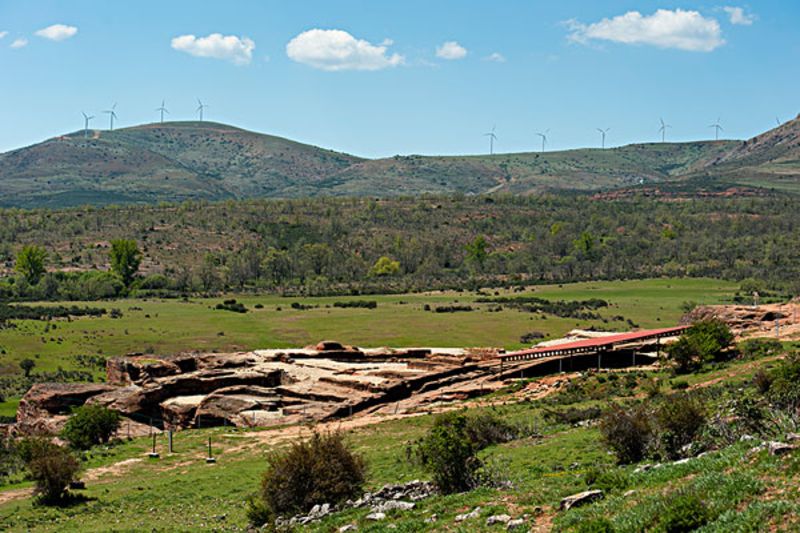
170, 326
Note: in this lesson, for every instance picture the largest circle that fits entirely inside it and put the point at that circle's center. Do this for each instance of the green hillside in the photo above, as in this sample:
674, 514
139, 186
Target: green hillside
177, 161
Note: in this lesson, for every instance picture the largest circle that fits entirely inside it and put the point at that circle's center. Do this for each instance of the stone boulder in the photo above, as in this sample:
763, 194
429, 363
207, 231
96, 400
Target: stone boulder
581, 498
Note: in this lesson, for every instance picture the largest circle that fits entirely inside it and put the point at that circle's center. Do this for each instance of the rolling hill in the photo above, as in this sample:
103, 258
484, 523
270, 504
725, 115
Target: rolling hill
178, 161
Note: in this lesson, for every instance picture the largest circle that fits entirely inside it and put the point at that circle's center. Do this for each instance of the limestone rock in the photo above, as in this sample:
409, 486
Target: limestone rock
581, 498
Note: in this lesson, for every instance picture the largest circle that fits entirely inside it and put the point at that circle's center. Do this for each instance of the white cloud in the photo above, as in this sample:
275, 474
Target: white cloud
238, 50
496, 57
451, 50
737, 16
684, 30
3, 34
19, 43
57, 32
335, 50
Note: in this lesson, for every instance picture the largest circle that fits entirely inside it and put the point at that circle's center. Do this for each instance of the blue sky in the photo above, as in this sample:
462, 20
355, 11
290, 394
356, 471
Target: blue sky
377, 78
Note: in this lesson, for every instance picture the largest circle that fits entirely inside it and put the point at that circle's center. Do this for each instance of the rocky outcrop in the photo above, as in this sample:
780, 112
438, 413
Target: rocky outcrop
263, 387
45, 407
749, 320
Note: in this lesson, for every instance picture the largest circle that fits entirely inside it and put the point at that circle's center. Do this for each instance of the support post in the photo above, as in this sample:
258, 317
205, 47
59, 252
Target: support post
169, 437
210, 459
153, 454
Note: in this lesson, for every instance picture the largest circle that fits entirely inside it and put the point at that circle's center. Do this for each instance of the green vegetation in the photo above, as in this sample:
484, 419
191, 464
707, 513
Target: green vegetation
322, 469
705, 341
125, 259
30, 263
74, 348
89, 425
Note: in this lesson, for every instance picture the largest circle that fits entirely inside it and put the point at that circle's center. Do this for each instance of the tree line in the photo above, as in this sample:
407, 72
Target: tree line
355, 245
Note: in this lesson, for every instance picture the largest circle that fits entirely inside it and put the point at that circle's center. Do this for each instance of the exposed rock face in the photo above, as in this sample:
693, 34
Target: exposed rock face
748, 320
263, 387
45, 407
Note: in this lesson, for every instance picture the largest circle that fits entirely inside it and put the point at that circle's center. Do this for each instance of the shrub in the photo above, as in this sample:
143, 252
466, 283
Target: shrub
572, 415
606, 479
322, 469
627, 432
680, 417
784, 391
485, 429
703, 342
762, 381
680, 384
89, 425
758, 348
596, 525
684, 512
448, 454
231, 305
52, 468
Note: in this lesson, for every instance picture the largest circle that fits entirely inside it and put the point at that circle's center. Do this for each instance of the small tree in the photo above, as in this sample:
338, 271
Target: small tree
627, 432
30, 263
704, 341
322, 469
385, 266
476, 251
680, 418
52, 468
125, 259
449, 455
90, 425
27, 365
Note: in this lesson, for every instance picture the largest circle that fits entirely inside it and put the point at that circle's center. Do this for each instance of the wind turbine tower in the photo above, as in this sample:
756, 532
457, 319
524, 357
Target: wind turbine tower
200, 107
717, 128
111, 115
663, 130
603, 133
86, 119
492, 139
163, 110
544, 138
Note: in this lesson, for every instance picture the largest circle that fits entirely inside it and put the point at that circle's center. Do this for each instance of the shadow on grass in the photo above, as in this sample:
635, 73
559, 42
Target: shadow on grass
70, 499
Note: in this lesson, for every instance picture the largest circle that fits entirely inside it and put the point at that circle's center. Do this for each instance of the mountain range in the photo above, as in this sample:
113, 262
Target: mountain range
178, 161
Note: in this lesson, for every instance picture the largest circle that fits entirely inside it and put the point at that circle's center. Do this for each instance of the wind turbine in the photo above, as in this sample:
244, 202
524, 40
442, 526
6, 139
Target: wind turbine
111, 115
603, 135
492, 139
86, 119
663, 130
200, 108
163, 110
544, 137
717, 129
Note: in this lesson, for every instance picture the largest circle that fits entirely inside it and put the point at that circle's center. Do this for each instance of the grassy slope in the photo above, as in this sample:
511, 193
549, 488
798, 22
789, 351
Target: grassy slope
399, 320
191, 160
182, 493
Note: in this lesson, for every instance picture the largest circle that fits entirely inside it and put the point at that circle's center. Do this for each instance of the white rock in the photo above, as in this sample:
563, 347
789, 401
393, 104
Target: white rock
475, 513
392, 505
515, 524
498, 519
779, 448
348, 527
376, 516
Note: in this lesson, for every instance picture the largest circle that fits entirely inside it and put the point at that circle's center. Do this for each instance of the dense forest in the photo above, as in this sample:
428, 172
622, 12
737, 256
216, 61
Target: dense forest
331, 245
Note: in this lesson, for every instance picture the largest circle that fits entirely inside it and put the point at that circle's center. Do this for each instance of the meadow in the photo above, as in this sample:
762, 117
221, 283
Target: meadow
174, 325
